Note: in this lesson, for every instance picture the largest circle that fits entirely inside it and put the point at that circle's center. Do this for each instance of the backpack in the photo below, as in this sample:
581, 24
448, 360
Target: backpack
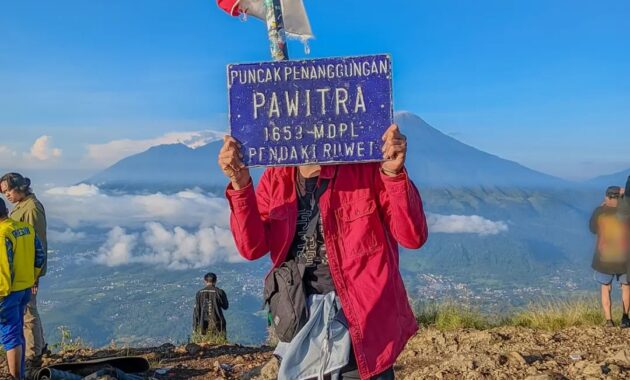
284, 291
285, 296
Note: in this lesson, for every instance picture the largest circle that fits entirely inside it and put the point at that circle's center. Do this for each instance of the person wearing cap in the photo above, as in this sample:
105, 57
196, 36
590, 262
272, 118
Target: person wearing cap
21, 261
28, 209
210, 302
610, 260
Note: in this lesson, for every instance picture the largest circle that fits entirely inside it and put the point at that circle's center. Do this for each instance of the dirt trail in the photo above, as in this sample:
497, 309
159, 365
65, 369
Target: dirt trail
501, 353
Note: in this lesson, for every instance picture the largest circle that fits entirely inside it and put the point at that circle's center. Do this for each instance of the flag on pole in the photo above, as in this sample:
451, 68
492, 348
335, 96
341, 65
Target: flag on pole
296, 22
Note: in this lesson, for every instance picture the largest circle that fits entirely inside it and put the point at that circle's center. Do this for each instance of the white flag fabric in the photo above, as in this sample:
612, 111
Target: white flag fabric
294, 15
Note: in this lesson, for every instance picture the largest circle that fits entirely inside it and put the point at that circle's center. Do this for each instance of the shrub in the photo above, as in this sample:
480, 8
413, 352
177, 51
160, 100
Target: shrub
211, 338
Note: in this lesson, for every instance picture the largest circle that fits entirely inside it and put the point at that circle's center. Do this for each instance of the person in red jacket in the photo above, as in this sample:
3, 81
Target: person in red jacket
365, 212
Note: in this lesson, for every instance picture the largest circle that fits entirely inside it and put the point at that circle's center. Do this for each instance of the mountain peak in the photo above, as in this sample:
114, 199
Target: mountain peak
435, 159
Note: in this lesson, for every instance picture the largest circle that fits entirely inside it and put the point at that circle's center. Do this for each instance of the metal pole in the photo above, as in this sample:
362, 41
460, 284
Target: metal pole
275, 30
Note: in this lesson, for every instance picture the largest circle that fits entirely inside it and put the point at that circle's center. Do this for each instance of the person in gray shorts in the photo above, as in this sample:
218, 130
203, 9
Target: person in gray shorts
610, 261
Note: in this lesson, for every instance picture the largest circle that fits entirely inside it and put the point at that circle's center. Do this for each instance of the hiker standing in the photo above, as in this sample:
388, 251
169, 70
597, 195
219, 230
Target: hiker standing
340, 225
610, 260
21, 260
624, 206
210, 302
28, 209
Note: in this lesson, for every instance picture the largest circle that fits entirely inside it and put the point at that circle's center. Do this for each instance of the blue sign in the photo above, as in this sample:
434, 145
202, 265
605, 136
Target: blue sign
330, 110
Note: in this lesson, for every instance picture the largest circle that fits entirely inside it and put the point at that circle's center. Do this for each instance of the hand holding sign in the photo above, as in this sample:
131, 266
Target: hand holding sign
323, 111
394, 151
230, 161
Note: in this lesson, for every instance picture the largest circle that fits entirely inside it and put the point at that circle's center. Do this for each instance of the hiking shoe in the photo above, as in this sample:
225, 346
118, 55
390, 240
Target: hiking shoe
625, 322
610, 323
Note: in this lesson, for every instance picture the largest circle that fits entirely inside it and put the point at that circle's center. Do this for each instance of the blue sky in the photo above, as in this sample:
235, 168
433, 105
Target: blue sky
545, 83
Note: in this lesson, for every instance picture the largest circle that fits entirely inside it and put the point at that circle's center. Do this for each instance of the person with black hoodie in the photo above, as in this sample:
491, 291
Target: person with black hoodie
610, 260
208, 315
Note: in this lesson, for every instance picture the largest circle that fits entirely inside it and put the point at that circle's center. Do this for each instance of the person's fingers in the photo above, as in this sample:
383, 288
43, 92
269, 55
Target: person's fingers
385, 147
234, 151
394, 142
230, 139
231, 153
392, 130
394, 151
228, 161
230, 145
397, 141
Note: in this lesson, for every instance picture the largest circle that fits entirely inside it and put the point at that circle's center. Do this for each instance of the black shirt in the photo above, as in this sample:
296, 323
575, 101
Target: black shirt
311, 251
209, 306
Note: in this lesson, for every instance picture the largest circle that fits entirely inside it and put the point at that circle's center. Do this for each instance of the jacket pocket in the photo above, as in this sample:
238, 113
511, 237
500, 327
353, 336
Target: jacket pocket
359, 221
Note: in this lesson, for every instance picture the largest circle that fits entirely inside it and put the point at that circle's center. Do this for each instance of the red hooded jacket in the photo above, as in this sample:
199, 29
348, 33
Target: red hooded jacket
365, 215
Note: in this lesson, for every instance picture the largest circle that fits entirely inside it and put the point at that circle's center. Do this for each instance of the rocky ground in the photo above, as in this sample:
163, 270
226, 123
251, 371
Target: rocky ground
501, 353
518, 353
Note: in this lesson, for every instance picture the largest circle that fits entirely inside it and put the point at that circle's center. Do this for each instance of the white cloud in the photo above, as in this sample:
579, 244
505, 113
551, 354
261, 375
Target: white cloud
81, 190
465, 224
109, 153
174, 248
118, 248
43, 150
86, 204
189, 229
66, 236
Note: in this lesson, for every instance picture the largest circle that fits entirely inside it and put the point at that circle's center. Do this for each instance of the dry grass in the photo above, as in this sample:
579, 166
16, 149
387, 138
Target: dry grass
555, 315
450, 316
549, 315
211, 338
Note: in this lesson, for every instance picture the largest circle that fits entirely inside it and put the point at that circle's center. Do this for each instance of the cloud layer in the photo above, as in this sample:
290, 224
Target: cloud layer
88, 205
65, 236
464, 224
174, 248
188, 229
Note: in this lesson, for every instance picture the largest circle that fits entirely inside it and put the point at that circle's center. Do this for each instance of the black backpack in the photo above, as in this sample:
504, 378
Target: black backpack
285, 296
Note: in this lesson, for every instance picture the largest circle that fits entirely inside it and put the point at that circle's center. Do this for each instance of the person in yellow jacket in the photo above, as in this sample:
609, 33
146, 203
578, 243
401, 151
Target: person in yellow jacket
21, 261
28, 209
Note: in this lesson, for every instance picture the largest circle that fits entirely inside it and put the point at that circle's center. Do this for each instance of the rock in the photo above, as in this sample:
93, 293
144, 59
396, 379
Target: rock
476, 337
592, 369
239, 359
580, 365
517, 358
152, 357
502, 359
166, 347
622, 357
539, 377
193, 349
613, 369
270, 370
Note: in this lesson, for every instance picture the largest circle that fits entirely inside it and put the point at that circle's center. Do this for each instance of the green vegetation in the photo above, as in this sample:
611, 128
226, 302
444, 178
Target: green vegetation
549, 315
68, 343
450, 316
210, 338
556, 315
